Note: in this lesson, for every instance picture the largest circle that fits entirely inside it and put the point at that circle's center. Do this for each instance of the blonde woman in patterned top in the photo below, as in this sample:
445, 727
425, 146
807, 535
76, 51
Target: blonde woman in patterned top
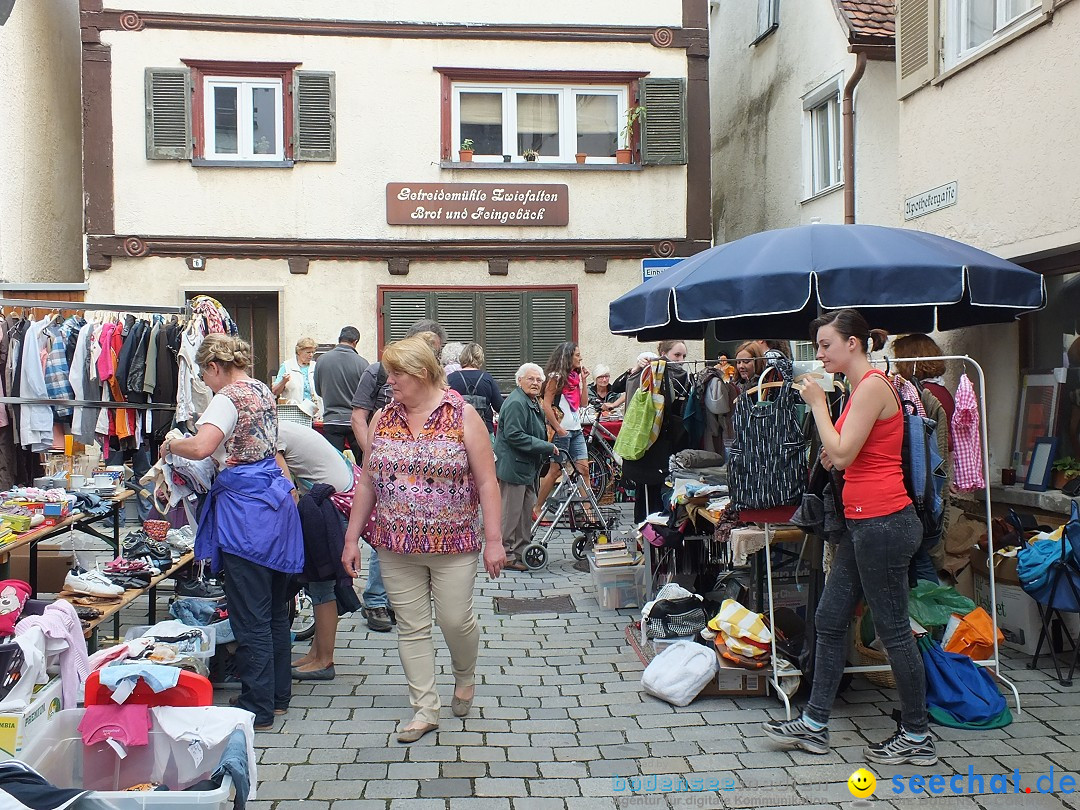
428, 468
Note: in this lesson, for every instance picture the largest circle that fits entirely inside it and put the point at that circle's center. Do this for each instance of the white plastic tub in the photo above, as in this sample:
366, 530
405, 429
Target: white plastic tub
59, 755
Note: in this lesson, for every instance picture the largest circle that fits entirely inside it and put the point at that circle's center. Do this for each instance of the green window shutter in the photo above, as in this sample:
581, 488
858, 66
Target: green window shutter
401, 309
168, 114
456, 313
314, 116
916, 44
663, 133
549, 322
504, 339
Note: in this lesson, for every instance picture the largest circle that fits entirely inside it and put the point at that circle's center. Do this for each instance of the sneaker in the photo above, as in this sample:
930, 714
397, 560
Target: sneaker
900, 749
378, 619
798, 734
198, 587
92, 583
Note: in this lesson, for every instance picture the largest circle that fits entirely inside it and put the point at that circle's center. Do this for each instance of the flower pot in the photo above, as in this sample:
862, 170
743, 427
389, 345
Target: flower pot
530, 158
465, 155
580, 157
623, 155
1059, 478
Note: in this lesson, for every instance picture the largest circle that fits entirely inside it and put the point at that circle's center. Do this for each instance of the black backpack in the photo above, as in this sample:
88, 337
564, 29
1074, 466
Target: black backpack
478, 401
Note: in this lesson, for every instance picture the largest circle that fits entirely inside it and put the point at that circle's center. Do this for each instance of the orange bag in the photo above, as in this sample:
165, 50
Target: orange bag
974, 636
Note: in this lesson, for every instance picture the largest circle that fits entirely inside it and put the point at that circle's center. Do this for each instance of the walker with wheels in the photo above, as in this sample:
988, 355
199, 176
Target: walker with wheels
574, 500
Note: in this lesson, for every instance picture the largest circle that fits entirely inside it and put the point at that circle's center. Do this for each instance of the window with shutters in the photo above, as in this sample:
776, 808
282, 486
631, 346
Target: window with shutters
513, 325
972, 24
822, 139
555, 121
239, 113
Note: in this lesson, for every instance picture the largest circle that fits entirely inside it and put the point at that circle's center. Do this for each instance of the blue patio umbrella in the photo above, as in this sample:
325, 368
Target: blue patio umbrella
772, 284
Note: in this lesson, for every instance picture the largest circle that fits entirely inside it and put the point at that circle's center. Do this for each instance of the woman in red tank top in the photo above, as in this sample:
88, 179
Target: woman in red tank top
873, 557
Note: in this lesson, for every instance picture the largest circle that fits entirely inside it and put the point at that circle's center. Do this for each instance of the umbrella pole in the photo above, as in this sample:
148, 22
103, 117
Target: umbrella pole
994, 663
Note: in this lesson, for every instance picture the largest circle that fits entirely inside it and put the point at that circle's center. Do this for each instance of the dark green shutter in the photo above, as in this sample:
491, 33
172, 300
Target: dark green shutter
550, 322
314, 103
401, 309
513, 327
504, 338
663, 134
168, 114
457, 314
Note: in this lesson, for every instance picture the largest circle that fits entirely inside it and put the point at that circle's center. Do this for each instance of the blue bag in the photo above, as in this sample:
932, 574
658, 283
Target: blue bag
959, 693
1035, 564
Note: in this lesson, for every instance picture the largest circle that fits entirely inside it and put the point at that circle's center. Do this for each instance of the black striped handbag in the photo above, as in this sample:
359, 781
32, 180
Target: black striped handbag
767, 464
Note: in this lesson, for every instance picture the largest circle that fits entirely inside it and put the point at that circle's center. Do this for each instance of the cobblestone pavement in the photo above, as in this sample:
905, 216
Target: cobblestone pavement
559, 716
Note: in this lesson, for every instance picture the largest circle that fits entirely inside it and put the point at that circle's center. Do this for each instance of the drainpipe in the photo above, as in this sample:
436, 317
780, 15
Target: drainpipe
848, 111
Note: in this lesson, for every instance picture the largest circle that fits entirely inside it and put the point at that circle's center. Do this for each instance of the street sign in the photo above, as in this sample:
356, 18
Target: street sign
929, 201
650, 268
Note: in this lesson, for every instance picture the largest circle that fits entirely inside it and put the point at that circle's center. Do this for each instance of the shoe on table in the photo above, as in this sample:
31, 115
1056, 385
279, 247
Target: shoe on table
378, 619
91, 583
900, 749
798, 734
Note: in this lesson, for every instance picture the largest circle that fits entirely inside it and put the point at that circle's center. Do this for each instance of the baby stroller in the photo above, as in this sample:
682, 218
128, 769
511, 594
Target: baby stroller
573, 499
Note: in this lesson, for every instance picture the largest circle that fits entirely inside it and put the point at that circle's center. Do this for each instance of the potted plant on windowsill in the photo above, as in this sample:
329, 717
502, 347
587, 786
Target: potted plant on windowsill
1065, 469
580, 157
633, 116
530, 155
465, 152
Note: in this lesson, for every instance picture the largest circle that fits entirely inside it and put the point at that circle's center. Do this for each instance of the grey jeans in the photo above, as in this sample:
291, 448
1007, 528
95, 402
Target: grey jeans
871, 559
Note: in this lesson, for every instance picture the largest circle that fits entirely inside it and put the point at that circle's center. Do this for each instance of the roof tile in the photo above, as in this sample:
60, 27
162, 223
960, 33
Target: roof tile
870, 22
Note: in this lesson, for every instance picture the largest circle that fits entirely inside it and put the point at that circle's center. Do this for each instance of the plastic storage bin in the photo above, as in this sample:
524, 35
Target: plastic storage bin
59, 755
618, 586
207, 649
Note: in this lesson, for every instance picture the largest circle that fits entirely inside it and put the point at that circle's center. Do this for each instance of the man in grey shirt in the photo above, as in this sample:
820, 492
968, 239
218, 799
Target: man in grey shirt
336, 376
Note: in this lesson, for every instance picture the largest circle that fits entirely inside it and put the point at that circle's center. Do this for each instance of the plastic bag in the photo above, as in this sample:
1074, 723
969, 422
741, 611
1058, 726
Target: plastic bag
974, 636
931, 605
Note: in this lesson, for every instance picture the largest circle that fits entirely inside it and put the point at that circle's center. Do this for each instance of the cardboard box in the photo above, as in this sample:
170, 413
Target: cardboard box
732, 681
17, 729
53, 564
1018, 613
1004, 567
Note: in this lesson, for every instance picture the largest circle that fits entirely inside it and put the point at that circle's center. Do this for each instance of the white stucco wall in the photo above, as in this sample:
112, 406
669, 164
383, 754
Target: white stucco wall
40, 128
336, 293
758, 120
1005, 129
554, 12
388, 130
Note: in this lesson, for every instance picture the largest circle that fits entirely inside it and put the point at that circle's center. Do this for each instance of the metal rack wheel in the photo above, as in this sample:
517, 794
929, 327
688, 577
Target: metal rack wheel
535, 556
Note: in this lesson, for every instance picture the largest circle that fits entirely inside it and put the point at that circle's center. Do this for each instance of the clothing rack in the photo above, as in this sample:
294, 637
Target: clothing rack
993, 663
83, 306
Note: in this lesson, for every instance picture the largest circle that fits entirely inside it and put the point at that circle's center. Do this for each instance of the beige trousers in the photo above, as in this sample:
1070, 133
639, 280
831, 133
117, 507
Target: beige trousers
518, 501
411, 581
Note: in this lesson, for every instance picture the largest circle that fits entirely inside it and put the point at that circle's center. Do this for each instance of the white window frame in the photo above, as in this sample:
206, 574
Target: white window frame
245, 145
823, 100
567, 117
957, 48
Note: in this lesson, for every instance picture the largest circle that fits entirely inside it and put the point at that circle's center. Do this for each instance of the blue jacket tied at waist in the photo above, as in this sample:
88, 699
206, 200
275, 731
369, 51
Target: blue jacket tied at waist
250, 512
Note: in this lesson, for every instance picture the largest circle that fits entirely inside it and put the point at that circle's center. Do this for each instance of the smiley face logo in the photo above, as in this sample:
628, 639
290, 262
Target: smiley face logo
862, 783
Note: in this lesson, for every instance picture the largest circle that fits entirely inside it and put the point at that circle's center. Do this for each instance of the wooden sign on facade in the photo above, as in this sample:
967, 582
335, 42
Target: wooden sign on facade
517, 204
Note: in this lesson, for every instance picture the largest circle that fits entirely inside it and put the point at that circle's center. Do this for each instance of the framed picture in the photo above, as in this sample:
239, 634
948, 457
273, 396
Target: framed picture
1041, 465
1036, 416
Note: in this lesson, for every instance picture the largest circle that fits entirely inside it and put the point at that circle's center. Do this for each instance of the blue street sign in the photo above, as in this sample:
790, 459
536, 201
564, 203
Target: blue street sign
651, 268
